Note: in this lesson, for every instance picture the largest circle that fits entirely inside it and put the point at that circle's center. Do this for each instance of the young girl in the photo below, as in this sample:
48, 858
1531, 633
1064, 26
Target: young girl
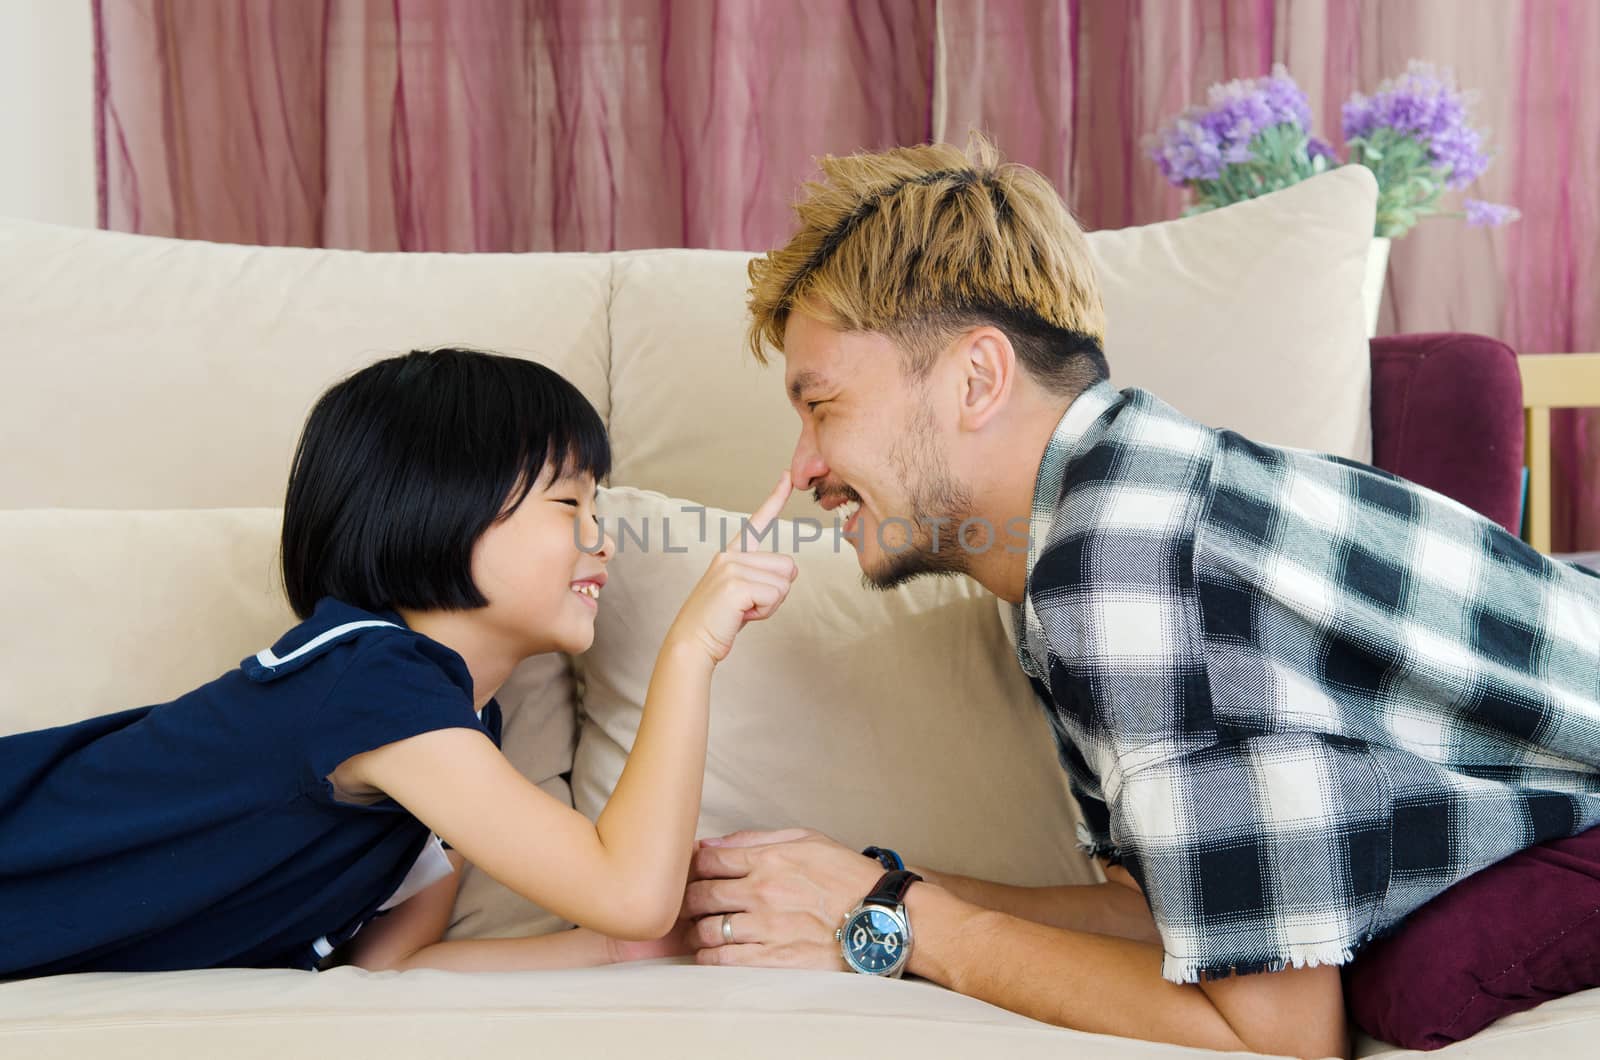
439, 528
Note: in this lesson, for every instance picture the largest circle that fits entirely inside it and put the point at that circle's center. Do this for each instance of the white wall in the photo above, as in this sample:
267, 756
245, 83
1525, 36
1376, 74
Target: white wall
47, 111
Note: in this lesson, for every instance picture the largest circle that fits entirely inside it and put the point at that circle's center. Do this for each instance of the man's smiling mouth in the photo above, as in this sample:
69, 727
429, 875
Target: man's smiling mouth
844, 500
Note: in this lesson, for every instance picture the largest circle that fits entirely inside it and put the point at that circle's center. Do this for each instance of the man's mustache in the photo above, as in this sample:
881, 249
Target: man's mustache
844, 493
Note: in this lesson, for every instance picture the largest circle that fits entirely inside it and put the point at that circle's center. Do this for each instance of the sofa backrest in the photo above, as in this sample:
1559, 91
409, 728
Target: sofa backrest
155, 373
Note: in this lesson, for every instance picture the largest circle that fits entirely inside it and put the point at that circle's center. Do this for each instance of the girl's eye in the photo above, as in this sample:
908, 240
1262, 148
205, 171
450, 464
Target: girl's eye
564, 500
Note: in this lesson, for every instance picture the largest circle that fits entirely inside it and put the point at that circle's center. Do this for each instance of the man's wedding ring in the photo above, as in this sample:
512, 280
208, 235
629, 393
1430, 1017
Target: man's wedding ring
727, 928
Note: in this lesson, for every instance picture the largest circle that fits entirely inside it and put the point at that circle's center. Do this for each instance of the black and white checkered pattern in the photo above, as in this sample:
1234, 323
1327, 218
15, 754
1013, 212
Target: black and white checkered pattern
1296, 696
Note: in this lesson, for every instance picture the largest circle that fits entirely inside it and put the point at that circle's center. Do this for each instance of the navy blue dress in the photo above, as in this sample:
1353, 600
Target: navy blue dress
203, 832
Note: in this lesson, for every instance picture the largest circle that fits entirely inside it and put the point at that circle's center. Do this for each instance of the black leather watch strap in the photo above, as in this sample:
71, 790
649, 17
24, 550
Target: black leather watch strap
891, 889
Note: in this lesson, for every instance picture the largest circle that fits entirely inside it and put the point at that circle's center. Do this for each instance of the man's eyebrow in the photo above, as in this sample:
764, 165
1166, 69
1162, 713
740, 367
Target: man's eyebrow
806, 380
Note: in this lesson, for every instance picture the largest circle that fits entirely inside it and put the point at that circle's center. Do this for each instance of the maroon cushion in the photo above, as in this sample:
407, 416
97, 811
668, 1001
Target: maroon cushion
1447, 414
1520, 932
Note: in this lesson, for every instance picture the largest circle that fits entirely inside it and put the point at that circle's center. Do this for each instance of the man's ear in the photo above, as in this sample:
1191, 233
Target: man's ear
988, 374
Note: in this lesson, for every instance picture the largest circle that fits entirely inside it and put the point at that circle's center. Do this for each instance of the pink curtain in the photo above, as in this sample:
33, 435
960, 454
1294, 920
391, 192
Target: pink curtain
494, 125
497, 125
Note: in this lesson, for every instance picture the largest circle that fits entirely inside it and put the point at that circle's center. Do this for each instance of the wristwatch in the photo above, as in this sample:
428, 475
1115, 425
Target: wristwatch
876, 935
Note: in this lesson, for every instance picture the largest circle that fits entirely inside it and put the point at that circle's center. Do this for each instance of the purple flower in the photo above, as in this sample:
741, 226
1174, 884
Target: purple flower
1317, 147
1424, 105
1482, 214
1186, 151
1196, 144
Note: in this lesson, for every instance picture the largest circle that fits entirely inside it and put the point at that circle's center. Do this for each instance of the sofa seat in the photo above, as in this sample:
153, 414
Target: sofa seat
655, 1008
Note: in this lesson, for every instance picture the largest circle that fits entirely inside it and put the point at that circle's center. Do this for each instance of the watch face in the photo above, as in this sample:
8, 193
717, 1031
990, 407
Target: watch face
874, 941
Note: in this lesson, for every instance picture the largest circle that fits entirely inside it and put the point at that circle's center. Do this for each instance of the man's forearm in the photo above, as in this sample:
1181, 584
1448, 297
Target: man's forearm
1100, 908
1093, 982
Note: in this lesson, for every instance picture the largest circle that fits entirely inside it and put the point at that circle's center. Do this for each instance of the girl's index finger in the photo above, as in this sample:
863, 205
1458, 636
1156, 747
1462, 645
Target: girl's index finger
763, 516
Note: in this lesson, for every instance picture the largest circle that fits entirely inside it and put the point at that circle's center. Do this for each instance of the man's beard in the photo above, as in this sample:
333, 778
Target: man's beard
934, 494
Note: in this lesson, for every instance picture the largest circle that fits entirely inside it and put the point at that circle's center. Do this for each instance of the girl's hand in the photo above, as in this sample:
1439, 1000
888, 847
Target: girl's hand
742, 584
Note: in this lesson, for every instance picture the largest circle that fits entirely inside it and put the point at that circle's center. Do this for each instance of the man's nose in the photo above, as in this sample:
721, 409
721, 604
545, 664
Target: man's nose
807, 466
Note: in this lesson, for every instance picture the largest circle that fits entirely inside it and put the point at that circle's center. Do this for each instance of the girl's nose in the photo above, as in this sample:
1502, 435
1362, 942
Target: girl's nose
597, 543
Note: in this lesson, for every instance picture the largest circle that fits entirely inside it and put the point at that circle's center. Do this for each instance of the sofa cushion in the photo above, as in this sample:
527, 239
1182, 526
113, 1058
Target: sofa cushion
650, 1009
164, 373
897, 718
107, 610
1521, 932
683, 386
1247, 317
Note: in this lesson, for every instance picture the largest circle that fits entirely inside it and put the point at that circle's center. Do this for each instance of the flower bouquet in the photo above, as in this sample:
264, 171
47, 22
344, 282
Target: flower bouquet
1254, 136
1414, 135
1251, 137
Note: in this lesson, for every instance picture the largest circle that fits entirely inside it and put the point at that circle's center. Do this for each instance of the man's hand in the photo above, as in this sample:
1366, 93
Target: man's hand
788, 892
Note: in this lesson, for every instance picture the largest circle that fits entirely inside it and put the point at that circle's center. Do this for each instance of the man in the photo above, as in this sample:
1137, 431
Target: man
1296, 697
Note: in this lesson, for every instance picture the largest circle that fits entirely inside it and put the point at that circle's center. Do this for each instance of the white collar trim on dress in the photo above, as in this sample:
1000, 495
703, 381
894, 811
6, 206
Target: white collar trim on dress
270, 661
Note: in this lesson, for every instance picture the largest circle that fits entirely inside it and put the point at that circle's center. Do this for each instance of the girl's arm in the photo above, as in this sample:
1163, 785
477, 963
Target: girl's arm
622, 875
384, 941
410, 936
577, 948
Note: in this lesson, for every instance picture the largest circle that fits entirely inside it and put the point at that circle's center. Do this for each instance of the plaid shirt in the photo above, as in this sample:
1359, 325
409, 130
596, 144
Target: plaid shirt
1296, 696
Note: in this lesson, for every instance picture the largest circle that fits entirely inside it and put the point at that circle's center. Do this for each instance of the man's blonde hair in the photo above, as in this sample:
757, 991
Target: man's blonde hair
920, 243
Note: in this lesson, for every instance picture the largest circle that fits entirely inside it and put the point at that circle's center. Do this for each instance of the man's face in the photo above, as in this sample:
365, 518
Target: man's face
874, 446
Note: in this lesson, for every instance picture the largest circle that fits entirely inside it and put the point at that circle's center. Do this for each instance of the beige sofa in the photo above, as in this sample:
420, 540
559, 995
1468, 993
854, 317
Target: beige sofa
153, 391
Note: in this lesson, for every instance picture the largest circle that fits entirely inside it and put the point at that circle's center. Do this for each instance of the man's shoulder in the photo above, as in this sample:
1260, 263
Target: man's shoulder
1141, 421
1142, 478
1273, 496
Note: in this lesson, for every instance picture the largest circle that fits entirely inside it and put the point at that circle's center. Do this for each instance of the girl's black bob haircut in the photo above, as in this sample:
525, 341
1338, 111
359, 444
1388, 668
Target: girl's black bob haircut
403, 466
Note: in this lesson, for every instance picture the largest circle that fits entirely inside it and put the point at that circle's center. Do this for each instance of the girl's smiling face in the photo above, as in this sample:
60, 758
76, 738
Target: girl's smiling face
542, 568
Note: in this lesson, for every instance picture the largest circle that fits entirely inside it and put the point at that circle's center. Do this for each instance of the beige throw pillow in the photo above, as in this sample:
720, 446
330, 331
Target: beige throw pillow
898, 718
107, 610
